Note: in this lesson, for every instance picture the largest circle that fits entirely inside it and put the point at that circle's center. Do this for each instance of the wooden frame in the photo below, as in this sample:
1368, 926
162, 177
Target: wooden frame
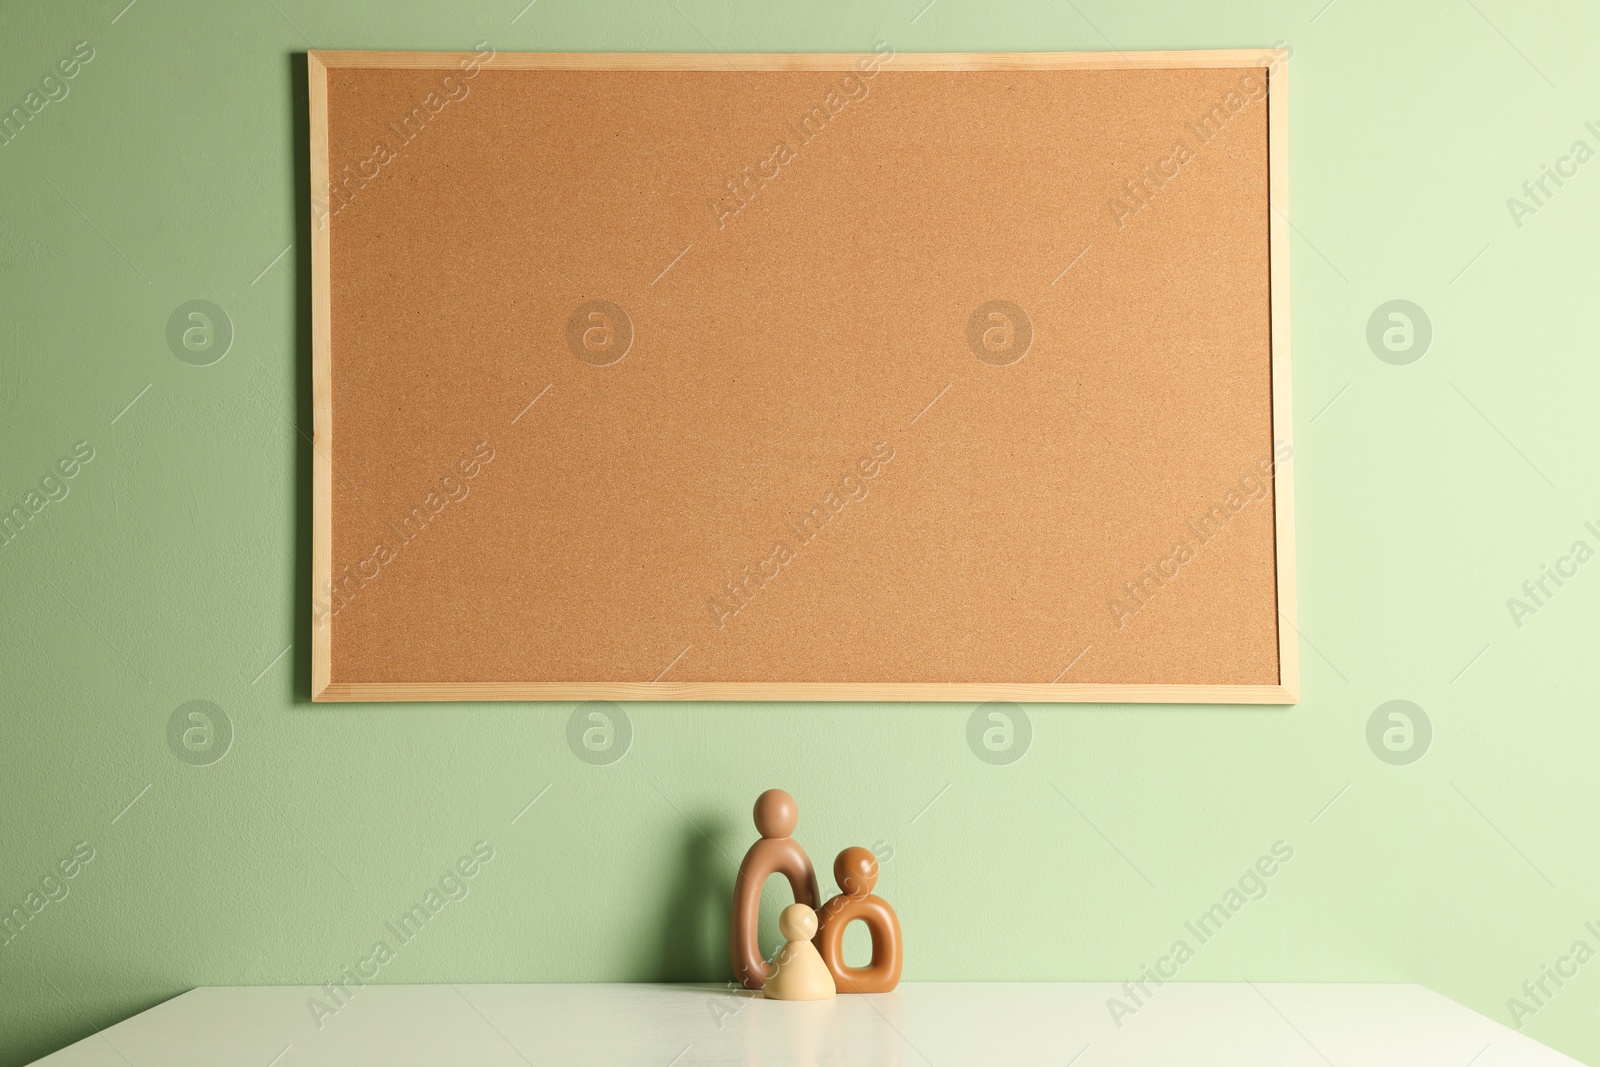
1273, 61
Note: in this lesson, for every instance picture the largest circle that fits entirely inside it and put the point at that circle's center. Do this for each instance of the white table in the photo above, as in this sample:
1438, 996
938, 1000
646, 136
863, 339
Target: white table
919, 1024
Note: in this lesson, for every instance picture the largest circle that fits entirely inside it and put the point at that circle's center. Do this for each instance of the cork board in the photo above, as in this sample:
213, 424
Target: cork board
786, 377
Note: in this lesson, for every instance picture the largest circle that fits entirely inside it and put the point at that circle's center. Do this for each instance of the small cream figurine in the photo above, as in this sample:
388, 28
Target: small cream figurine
798, 972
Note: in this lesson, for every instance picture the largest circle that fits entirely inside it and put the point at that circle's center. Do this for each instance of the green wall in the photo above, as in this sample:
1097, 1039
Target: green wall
174, 569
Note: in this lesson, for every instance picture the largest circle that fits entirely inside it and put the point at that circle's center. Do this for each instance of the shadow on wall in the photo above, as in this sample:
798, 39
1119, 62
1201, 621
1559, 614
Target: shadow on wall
699, 900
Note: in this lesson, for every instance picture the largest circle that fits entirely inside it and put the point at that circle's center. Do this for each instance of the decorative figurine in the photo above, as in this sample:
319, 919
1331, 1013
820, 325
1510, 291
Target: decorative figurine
856, 871
776, 816
798, 973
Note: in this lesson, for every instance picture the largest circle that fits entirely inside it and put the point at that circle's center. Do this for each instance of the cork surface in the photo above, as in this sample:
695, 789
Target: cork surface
760, 376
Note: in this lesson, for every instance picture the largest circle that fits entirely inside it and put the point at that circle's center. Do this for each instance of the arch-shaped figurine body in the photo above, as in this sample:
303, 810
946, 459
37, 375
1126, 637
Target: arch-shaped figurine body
856, 871
776, 816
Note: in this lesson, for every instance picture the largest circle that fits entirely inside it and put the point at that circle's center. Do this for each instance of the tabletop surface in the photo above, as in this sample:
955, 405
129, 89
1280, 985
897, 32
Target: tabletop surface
923, 1024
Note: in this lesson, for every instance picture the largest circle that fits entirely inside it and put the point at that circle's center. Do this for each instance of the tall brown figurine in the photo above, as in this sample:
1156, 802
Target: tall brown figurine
776, 853
856, 871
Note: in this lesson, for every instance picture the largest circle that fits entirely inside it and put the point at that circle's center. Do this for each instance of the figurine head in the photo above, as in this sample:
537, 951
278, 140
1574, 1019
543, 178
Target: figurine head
856, 871
776, 814
797, 922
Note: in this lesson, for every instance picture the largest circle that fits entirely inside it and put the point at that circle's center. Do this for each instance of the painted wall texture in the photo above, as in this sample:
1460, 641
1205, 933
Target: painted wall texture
1443, 154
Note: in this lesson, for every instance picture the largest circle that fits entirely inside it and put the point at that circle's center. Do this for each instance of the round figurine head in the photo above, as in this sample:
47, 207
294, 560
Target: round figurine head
797, 922
856, 871
776, 814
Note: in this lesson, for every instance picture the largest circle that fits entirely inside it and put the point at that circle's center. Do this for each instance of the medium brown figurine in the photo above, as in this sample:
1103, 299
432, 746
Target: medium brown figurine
776, 816
856, 871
